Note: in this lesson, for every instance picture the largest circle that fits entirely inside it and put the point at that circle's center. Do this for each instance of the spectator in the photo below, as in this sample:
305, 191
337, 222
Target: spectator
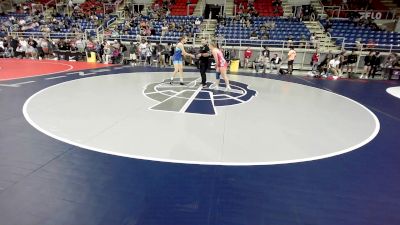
345, 6
276, 63
367, 64
197, 22
329, 56
351, 62
265, 36
359, 46
107, 52
167, 52
371, 44
375, 64
328, 26
266, 54
247, 55
333, 66
31, 51
259, 62
162, 52
389, 63
143, 50
314, 41
20, 51
148, 53
315, 61
253, 35
291, 58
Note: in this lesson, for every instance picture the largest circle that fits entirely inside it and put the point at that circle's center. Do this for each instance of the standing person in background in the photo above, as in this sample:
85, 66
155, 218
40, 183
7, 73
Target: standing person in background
291, 57
247, 55
167, 54
204, 57
107, 52
265, 53
132, 53
149, 53
351, 62
162, 55
367, 65
314, 61
389, 63
375, 64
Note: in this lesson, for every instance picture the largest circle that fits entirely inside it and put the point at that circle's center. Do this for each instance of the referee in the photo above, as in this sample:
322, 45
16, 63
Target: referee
204, 56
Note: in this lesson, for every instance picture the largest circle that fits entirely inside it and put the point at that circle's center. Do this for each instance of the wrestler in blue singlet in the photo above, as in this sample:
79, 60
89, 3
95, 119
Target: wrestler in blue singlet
177, 58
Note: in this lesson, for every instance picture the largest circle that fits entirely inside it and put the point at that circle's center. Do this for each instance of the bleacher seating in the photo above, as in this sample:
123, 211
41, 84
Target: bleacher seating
283, 29
351, 32
81, 23
169, 36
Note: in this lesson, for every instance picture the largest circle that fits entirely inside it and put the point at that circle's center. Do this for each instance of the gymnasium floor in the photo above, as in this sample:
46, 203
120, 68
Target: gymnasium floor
90, 144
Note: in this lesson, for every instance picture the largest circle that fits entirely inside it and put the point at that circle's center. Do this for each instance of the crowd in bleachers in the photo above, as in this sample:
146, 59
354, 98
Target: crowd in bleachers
72, 18
156, 21
362, 34
273, 31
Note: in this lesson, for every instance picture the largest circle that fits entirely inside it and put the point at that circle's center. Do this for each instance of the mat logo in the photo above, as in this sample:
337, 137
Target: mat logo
193, 98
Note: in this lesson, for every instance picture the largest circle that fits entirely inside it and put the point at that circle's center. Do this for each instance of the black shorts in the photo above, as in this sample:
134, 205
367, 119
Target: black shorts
290, 62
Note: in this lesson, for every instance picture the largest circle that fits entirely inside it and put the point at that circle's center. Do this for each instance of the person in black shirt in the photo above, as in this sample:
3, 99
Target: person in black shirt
351, 61
367, 64
204, 56
375, 64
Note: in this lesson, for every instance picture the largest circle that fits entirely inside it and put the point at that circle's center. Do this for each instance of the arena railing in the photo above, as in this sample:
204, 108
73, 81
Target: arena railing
302, 61
52, 35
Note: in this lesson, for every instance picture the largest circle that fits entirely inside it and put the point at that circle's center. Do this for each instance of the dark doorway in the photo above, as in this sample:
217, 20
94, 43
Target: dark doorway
214, 10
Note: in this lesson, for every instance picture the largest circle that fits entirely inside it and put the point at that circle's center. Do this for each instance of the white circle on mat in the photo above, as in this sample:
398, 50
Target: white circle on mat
395, 91
285, 123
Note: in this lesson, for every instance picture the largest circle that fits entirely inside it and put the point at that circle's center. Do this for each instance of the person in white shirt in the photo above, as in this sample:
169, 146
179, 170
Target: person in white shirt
1, 43
259, 62
20, 51
197, 22
23, 42
164, 29
143, 50
333, 66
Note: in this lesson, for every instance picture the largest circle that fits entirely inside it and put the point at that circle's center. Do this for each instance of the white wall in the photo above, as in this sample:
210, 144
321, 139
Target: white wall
300, 2
215, 2
143, 2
